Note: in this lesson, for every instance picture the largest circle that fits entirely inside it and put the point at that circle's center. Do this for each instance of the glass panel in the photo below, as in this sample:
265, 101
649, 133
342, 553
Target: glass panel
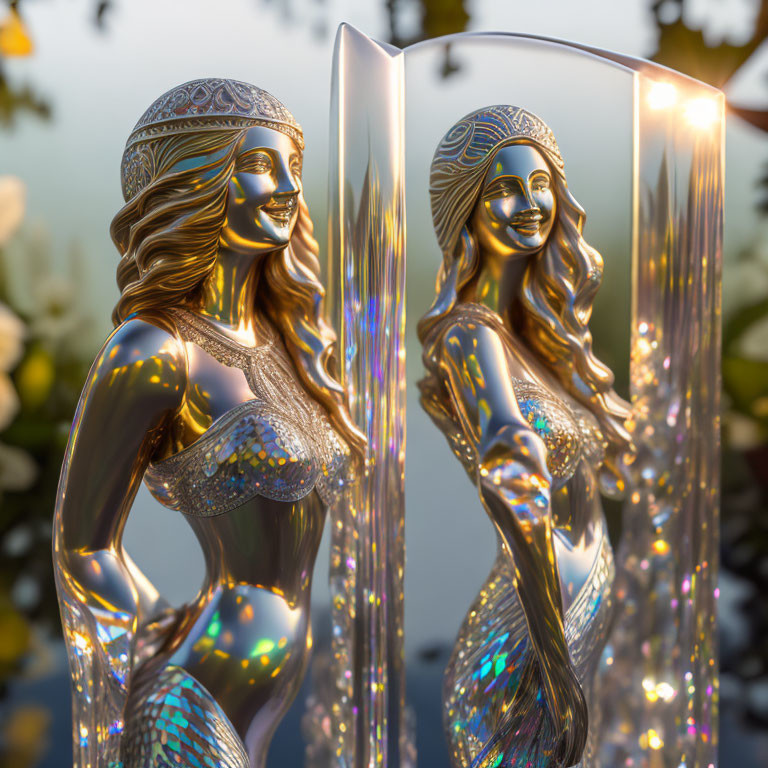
367, 290
663, 685
452, 544
647, 169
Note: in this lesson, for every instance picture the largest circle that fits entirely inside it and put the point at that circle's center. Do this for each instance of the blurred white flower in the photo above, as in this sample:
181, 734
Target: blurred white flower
13, 195
18, 541
56, 318
743, 433
18, 470
12, 334
9, 401
753, 343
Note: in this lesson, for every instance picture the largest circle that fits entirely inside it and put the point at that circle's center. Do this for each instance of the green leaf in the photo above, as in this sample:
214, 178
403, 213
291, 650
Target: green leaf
745, 381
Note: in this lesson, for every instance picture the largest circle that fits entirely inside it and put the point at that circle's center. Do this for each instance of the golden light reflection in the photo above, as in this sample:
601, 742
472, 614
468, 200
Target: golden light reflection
660, 547
655, 691
662, 96
702, 112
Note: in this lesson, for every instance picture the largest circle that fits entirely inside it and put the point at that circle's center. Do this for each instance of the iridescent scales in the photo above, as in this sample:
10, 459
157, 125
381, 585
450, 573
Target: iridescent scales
486, 665
173, 721
570, 433
557, 424
250, 451
489, 660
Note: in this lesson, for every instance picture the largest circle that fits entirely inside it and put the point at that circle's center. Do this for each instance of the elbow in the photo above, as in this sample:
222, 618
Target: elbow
80, 571
97, 579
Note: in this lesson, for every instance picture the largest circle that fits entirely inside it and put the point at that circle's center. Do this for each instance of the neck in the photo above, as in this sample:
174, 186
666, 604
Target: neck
229, 293
498, 284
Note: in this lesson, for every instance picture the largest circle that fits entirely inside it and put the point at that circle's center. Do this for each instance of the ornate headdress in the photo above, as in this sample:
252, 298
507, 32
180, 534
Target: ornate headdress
210, 103
464, 155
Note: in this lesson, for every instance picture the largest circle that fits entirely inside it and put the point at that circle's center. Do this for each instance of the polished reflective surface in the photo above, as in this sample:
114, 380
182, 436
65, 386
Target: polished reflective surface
661, 679
640, 165
518, 205
214, 389
513, 385
367, 289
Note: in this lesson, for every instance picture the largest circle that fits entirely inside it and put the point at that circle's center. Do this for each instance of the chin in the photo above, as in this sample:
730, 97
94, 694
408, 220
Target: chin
282, 234
278, 236
524, 246
284, 237
533, 243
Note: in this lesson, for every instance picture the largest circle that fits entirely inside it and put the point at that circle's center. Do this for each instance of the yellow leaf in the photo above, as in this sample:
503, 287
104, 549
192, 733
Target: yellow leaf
14, 38
14, 635
35, 378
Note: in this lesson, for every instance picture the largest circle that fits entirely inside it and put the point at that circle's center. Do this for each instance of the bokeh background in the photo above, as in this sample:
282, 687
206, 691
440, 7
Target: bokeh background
75, 75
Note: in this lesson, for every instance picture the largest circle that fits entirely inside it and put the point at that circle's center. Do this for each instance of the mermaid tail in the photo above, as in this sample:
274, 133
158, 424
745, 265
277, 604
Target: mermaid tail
172, 721
494, 710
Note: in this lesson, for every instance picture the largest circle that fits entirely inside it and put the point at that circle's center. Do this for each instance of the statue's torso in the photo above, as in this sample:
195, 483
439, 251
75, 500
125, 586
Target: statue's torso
253, 464
492, 645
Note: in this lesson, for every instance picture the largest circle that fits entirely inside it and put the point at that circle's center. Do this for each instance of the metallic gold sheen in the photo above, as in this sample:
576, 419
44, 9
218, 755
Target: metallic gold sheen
215, 388
279, 445
532, 416
210, 103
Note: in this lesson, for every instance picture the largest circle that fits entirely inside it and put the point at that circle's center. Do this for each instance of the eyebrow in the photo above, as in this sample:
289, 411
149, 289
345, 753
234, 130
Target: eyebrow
271, 151
499, 180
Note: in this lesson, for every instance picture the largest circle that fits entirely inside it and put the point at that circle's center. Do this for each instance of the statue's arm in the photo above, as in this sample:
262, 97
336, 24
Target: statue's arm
514, 485
136, 382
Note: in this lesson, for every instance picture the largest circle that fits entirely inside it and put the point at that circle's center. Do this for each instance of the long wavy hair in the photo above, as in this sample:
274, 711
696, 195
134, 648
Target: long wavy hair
168, 237
559, 284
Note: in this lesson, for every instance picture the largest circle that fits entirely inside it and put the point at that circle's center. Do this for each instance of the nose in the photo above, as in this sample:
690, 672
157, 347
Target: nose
531, 204
286, 183
521, 204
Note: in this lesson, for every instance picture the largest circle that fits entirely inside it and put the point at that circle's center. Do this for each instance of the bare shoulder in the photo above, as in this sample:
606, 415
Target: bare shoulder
145, 353
136, 381
463, 331
482, 349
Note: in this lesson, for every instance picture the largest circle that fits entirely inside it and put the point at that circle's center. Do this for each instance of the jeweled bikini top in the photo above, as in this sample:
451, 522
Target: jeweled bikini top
280, 445
571, 433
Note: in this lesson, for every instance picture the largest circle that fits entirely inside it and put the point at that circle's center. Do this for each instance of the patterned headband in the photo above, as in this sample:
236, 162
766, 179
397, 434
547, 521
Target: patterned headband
209, 103
464, 155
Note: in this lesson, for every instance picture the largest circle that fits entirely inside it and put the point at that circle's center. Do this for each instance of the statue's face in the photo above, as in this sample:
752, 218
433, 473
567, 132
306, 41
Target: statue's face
263, 194
517, 205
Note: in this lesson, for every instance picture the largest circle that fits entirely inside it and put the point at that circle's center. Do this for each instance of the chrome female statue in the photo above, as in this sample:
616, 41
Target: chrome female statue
531, 414
216, 388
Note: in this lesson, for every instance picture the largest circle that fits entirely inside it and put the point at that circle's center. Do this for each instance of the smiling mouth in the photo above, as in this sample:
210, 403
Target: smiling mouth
528, 224
282, 213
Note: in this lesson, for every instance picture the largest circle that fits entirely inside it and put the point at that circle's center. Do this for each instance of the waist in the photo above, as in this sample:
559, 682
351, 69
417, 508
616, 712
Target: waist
264, 544
246, 647
250, 629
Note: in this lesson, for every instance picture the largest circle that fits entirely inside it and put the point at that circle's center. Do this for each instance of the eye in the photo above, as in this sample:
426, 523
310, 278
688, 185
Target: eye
502, 188
296, 168
255, 162
540, 184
